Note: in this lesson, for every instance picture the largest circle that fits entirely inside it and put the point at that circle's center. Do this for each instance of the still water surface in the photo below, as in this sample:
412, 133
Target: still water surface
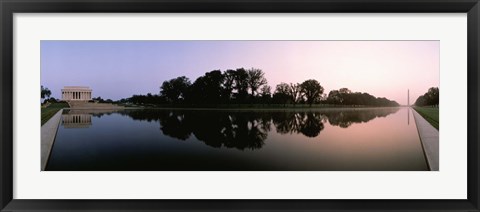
363, 139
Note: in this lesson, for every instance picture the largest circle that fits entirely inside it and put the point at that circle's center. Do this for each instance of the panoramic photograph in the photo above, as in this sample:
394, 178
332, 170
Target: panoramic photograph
239, 105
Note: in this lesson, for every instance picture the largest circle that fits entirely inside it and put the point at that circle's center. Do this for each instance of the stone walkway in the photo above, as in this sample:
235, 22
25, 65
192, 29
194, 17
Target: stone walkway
430, 140
49, 131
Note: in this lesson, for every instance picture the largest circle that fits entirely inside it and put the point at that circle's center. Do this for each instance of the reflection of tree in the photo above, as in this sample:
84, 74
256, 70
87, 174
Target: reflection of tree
249, 129
308, 123
147, 115
174, 125
345, 118
241, 130
311, 124
286, 122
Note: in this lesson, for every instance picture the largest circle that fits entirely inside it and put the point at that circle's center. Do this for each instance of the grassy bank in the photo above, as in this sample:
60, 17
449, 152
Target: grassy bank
430, 114
51, 110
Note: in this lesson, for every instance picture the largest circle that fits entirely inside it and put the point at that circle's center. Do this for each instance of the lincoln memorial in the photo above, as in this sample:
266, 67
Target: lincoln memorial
76, 93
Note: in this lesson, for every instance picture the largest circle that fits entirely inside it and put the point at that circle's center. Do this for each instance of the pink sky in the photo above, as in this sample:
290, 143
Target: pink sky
381, 68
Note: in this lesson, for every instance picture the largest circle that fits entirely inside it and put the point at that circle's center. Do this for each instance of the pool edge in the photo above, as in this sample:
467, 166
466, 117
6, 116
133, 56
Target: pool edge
429, 137
48, 134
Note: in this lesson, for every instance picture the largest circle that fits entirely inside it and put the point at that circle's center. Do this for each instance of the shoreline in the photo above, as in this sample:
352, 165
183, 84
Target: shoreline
254, 108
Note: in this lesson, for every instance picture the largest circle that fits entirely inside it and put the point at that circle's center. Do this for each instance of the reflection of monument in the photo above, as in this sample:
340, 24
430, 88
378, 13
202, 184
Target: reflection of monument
76, 93
76, 120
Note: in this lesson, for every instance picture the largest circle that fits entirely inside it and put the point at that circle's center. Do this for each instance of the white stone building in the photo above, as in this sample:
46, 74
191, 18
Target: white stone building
76, 93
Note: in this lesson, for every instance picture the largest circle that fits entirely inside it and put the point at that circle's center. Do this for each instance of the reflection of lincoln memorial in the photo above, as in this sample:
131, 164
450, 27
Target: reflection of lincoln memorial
76, 93
76, 120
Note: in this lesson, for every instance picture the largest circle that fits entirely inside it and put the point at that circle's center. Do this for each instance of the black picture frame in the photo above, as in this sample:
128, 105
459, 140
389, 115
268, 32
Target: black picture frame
9, 7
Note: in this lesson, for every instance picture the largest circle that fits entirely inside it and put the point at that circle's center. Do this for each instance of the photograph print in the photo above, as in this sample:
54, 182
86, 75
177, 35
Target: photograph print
239, 105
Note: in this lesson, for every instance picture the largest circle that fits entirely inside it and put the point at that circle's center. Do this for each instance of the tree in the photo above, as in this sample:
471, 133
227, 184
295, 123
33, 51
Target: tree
312, 90
281, 94
295, 93
421, 101
98, 99
323, 97
256, 78
266, 93
175, 90
241, 84
430, 98
45, 92
344, 91
148, 99
228, 84
433, 96
334, 97
208, 88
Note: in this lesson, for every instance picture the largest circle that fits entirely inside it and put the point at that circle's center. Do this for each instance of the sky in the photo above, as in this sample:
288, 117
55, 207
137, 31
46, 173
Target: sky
120, 69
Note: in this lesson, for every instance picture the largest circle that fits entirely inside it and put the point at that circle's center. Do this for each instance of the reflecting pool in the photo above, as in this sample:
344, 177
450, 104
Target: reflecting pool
349, 139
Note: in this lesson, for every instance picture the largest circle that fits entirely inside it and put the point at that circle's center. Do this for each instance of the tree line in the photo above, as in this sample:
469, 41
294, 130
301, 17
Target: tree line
430, 98
249, 86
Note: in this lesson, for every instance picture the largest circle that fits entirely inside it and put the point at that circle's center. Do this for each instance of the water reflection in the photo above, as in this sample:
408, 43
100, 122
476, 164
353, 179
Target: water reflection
346, 118
76, 120
307, 123
249, 129
327, 139
82, 118
235, 129
241, 130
